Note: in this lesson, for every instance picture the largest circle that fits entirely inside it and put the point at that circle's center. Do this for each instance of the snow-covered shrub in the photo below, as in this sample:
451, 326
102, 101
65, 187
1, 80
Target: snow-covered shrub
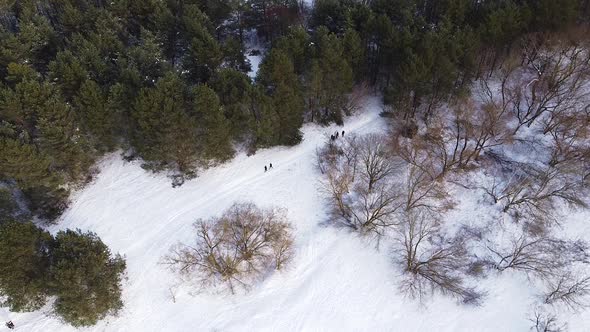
235, 250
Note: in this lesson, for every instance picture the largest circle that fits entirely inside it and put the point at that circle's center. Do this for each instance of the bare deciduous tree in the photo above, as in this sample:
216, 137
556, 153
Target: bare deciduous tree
532, 45
432, 261
236, 249
531, 194
422, 191
373, 211
503, 97
368, 185
457, 139
375, 159
356, 99
543, 257
475, 129
559, 75
429, 152
568, 289
359, 182
569, 137
546, 322
332, 154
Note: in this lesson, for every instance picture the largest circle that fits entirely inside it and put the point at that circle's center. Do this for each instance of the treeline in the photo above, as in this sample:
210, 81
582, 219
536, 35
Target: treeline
166, 81
419, 52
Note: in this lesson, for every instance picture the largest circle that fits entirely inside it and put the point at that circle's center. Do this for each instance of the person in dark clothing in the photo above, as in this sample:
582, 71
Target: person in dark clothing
265, 169
270, 165
343, 133
10, 325
336, 134
332, 137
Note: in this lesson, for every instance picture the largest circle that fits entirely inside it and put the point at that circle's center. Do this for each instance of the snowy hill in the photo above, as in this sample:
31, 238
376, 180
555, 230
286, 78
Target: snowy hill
337, 282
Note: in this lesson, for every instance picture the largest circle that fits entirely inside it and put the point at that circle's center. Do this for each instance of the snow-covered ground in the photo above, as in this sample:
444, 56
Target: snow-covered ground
254, 63
253, 44
336, 282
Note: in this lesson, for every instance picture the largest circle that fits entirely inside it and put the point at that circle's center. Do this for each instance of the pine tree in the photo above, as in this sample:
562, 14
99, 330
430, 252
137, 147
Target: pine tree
143, 64
234, 90
97, 117
99, 52
501, 28
203, 57
289, 106
33, 174
407, 89
213, 125
119, 106
26, 165
165, 135
237, 17
296, 44
181, 138
440, 54
204, 54
329, 13
24, 265
47, 203
8, 206
278, 75
137, 14
22, 104
272, 18
330, 78
71, 18
17, 73
36, 42
10, 50
234, 56
69, 74
86, 278
469, 46
61, 138
354, 53
267, 122
555, 15
314, 90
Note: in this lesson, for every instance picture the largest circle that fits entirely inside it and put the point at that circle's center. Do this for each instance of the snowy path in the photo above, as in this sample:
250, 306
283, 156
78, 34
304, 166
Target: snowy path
335, 283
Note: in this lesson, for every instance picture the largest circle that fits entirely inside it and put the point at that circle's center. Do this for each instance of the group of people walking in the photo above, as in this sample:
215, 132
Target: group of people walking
334, 136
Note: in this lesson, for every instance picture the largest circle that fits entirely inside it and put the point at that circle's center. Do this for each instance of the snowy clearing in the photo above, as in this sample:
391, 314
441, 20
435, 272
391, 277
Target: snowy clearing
336, 282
